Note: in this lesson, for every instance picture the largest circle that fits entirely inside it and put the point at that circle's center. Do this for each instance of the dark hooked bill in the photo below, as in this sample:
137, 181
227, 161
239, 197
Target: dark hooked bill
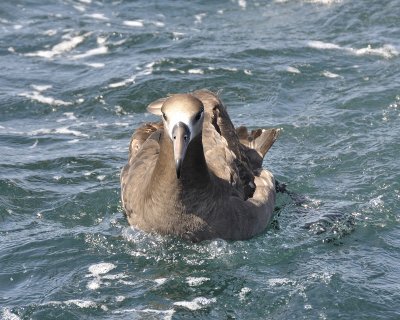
180, 140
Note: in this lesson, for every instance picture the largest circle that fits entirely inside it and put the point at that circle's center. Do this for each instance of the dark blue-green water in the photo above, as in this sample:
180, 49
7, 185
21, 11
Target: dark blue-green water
76, 77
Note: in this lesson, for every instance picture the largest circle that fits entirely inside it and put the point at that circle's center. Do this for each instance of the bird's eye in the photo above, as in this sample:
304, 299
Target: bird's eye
198, 115
164, 116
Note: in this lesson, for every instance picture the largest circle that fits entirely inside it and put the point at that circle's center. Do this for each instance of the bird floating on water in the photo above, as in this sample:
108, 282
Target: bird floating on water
194, 175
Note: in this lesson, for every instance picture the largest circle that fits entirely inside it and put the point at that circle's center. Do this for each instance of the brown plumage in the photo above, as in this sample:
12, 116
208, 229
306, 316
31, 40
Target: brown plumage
194, 175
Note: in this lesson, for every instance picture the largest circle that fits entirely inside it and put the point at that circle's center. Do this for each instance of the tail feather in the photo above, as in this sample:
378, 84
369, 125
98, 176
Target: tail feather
260, 140
264, 141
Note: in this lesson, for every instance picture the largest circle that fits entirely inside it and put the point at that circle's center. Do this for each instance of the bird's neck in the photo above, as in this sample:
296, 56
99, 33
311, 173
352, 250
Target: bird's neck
194, 167
194, 171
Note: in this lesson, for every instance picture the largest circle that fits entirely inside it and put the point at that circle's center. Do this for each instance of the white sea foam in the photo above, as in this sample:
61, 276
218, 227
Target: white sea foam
18, 26
98, 16
41, 88
323, 45
325, 277
36, 96
68, 116
176, 70
133, 23
101, 125
119, 42
119, 110
58, 49
81, 303
160, 281
199, 17
195, 71
166, 313
101, 268
34, 144
79, 8
158, 24
101, 40
230, 69
119, 298
95, 64
196, 303
8, 315
387, 51
329, 74
50, 32
242, 4
93, 284
326, 2
148, 69
86, 1
92, 52
243, 293
122, 83
68, 32
177, 35
279, 281
293, 70
114, 276
376, 202
98, 270
62, 130
196, 281
127, 283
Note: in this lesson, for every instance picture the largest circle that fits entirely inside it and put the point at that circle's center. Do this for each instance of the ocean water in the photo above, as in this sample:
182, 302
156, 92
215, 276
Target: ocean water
76, 77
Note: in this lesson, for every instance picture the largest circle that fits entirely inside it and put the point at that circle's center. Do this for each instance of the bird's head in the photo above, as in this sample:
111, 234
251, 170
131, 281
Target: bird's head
183, 116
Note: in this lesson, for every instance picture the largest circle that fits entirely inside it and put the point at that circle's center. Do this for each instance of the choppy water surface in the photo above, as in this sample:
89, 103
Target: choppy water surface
76, 77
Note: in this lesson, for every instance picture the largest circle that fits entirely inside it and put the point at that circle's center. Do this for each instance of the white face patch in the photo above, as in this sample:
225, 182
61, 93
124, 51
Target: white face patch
174, 117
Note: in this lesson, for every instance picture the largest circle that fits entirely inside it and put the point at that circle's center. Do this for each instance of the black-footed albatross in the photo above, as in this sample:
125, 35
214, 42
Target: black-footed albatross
193, 175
